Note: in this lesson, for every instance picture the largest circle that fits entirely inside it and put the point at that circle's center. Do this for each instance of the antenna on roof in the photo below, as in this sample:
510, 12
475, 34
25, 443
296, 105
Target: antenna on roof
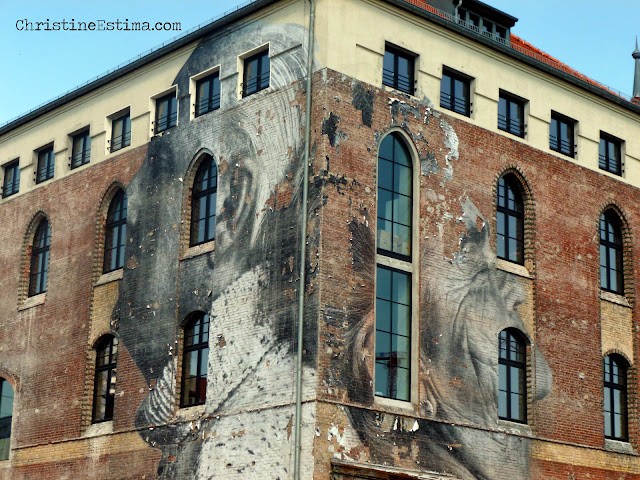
636, 77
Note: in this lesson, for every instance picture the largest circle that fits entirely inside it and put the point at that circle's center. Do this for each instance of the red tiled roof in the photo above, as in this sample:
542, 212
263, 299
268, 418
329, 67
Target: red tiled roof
528, 49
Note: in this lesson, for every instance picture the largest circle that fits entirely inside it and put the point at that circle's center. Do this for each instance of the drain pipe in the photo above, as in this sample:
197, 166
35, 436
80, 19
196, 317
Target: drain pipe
303, 248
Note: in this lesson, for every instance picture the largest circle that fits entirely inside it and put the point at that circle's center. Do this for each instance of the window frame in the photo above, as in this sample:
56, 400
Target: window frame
84, 155
125, 137
260, 84
451, 76
604, 162
398, 142
209, 192
611, 218
108, 344
171, 101
211, 104
392, 79
570, 123
11, 186
115, 228
203, 320
617, 408
508, 366
392, 334
39, 259
517, 127
46, 163
4, 382
508, 214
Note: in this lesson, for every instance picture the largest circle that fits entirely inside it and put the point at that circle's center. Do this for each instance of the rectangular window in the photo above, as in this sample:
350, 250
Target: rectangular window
207, 94
121, 132
393, 334
398, 70
46, 164
610, 154
455, 91
166, 112
256, 73
11, 183
511, 114
561, 135
81, 149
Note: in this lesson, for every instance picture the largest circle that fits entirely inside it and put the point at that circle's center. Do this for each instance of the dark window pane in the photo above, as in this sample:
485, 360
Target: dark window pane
195, 361
203, 203
115, 233
256, 73
393, 333
512, 395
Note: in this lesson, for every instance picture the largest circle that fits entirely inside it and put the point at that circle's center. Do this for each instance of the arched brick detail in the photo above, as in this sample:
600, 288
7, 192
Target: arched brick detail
187, 189
529, 213
627, 248
25, 254
101, 219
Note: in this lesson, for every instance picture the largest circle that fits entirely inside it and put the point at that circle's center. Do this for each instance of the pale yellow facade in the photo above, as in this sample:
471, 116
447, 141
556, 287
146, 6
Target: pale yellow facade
357, 52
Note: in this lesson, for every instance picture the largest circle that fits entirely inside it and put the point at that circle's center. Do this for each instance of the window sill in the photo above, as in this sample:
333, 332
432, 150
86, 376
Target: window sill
190, 413
33, 301
400, 405
515, 427
514, 268
614, 298
197, 250
390, 89
619, 446
99, 429
110, 277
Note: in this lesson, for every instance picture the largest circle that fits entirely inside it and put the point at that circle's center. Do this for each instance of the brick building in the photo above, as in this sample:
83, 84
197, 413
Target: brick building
415, 262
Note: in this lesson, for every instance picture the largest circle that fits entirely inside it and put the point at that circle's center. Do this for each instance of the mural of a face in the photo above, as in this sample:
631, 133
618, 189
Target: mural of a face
247, 284
465, 302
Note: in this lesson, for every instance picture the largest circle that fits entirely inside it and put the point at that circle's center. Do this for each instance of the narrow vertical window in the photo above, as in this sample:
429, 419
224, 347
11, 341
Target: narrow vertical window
115, 233
455, 92
398, 69
561, 135
195, 361
609, 155
6, 415
11, 182
512, 385
511, 114
393, 333
510, 220
40, 259
611, 253
207, 94
121, 132
395, 198
615, 398
46, 164
203, 202
166, 112
81, 149
256, 73
104, 391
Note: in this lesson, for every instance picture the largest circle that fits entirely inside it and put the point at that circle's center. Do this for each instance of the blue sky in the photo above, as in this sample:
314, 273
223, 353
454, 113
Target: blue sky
593, 37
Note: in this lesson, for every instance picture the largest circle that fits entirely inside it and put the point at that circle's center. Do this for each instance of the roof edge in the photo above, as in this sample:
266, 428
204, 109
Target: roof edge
138, 62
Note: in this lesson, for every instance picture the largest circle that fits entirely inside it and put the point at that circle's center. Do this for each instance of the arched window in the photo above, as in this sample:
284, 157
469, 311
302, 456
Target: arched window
395, 193
39, 269
105, 379
195, 361
611, 264
510, 220
615, 397
6, 414
512, 378
115, 233
203, 203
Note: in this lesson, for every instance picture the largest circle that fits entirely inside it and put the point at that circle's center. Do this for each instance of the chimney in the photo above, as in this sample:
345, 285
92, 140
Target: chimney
636, 77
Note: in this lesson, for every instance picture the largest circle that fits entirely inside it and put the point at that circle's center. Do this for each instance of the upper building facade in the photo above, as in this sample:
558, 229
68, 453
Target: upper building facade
290, 245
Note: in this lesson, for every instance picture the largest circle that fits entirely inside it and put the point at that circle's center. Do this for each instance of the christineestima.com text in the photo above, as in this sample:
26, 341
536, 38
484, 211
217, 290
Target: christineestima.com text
125, 25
